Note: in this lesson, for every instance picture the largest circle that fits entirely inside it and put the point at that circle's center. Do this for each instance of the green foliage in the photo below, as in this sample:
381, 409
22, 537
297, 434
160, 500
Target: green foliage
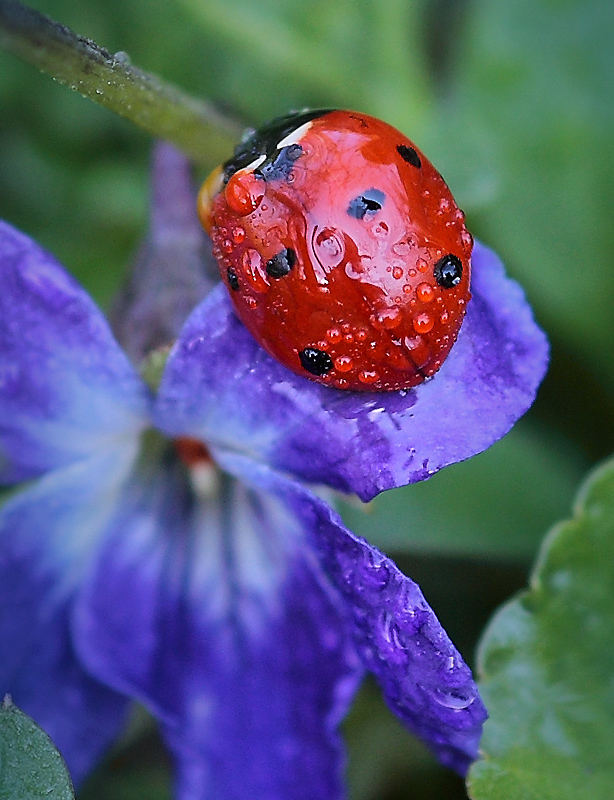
547, 661
30, 766
513, 102
496, 505
533, 156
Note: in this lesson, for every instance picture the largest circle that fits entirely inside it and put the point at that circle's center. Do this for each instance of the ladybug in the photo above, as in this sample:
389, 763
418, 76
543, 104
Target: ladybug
343, 250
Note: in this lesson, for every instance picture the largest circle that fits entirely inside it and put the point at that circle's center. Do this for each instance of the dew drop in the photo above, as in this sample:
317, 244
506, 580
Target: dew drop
334, 335
454, 698
466, 239
329, 247
444, 317
368, 376
238, 235
397, 273
244, 193
423, 323
425, 293
388, 318
343, 363
422, 265
254, 269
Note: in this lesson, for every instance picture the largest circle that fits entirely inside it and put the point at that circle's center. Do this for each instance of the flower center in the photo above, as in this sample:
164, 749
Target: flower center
191, 452
204, 475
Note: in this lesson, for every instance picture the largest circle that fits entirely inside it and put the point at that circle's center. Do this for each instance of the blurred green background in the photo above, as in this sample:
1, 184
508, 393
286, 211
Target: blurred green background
513, 102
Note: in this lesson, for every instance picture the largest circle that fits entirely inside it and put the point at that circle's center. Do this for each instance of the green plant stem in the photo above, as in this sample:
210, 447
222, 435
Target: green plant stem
194, 126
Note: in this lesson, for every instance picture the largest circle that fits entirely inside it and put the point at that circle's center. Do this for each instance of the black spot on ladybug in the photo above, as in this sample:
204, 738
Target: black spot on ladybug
448, 271
367, 203
409, 154
281, 263
233, 281
316, 362
280, 165
264, 141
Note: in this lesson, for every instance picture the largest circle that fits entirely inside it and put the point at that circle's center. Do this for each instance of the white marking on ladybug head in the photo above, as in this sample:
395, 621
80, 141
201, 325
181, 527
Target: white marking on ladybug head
295, 136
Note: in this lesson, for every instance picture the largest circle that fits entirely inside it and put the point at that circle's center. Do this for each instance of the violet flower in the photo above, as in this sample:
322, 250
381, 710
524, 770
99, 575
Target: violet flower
207, 579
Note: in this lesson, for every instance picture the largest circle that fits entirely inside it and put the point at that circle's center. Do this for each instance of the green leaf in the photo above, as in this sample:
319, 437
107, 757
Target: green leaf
547, 665
30, 766
526, 141
495, 505
281, 55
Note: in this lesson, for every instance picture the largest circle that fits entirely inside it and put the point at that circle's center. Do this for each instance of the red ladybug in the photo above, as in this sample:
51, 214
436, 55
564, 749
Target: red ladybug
343, 250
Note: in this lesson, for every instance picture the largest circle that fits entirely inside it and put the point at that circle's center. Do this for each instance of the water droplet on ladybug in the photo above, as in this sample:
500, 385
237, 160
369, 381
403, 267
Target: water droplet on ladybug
329, 247
251, 262
388, 318
397, 273
343, 363
425, 293
423, 323
244, 193
466, 240
367, 376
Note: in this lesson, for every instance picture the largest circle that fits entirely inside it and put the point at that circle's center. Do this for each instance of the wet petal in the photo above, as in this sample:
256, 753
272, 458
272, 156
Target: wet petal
400, 640
66, 389
234, 638
46, 535
221, 387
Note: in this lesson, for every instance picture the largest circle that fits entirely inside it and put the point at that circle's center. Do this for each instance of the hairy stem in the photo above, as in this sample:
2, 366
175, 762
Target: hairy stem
194, 126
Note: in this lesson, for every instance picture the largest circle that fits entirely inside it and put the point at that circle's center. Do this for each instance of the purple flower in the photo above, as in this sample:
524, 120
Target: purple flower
211, 581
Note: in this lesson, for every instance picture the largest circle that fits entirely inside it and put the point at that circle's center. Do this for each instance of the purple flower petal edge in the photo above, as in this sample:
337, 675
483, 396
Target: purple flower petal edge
400, 640
66, 388
221, 387
45, 541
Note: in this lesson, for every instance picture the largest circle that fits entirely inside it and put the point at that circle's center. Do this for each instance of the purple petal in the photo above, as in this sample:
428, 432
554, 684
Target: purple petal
400, 640
213, 612
46, 536
174, 269
66, 389
221, 387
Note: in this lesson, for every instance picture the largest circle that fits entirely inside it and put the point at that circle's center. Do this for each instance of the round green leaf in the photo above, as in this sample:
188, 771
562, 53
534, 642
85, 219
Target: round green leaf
547, 665
30, 766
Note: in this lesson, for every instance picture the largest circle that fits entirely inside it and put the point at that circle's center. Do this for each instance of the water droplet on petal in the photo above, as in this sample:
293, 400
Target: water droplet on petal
454, 698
